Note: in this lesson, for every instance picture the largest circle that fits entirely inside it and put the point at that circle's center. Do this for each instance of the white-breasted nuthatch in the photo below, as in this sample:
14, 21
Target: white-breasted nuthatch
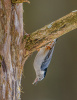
42, 60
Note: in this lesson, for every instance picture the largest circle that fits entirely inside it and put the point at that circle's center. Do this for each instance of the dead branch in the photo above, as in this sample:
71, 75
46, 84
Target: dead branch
49, 32
15, 48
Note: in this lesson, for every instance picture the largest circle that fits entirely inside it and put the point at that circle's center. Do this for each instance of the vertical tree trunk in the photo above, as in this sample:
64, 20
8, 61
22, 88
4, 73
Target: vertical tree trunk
12, 53
11, 49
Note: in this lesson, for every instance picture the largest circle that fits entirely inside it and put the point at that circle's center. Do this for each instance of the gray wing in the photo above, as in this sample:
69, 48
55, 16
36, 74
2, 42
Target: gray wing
47, 59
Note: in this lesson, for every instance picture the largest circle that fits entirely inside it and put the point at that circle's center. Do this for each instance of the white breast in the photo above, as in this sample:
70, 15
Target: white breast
39, 59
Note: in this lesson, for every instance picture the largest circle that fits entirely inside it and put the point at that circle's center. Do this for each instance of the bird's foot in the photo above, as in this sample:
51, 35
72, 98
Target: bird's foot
48, 47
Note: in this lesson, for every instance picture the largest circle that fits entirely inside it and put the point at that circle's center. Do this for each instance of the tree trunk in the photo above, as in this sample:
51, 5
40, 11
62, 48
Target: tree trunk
15, 48
11, 49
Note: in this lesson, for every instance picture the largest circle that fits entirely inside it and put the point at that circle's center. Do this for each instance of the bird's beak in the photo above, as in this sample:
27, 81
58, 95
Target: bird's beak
35, 81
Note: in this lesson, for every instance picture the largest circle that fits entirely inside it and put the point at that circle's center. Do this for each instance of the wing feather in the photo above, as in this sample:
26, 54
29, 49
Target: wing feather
47, 59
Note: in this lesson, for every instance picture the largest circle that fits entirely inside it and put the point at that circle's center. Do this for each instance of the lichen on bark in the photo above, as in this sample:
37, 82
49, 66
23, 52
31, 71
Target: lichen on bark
15, 47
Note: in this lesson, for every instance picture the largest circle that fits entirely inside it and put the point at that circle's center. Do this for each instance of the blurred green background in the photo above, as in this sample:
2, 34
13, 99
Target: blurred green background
60, 82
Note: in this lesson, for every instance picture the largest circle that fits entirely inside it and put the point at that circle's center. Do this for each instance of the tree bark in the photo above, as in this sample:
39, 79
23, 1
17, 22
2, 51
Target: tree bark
49, 32
11, 49
15, 47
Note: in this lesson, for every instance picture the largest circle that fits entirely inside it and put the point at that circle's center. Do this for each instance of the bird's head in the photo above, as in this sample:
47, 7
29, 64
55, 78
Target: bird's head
39, 77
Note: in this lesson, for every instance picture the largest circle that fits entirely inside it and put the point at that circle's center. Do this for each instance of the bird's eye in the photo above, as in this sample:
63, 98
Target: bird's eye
39, 78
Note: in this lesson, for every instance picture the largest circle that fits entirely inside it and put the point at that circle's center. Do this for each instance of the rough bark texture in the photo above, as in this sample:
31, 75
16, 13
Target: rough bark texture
15, 48
51, 31
11, 49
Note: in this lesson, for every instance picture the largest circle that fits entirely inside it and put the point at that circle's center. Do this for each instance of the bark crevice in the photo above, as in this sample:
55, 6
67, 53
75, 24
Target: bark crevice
14, 52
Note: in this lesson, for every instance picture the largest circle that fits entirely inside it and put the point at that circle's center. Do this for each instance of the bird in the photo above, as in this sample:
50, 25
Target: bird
42, 61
